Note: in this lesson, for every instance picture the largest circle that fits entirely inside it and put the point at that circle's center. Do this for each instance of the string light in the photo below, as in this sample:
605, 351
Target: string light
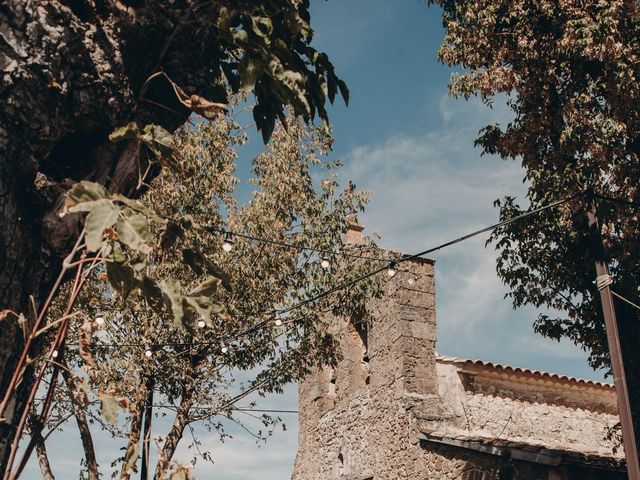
325, 263
148, 353
54, 354
278, 322
391, 271
227, 246
99, 320
390, 267
201, 324
228, 234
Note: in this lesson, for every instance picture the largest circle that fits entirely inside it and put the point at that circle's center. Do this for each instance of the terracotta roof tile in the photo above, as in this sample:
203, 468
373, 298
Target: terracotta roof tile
522, 371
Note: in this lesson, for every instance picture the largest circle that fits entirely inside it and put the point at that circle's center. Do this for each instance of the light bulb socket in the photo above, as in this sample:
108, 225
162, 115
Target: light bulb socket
227, 245
391, 271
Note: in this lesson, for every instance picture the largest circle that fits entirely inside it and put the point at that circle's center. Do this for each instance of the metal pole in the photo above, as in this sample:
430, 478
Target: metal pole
613, 340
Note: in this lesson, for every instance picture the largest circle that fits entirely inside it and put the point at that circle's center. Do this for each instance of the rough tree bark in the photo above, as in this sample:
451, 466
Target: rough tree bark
133, 443
71, 71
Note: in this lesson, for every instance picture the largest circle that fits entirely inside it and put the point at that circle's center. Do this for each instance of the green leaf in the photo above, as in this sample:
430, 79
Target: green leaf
153, 294
170, 234
121, 277
133, 232
249, 71
160, 142
102, 216
139, 207
344, 91
109, 407
206, 288
201, 308
127, 132
201, 264
84, 195
173, 299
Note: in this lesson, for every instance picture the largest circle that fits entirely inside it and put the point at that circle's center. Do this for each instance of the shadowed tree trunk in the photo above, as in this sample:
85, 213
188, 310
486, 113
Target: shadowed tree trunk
71, 72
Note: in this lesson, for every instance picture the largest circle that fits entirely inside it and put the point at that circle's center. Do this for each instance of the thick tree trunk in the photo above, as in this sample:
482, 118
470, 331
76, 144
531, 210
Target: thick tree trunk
71, 72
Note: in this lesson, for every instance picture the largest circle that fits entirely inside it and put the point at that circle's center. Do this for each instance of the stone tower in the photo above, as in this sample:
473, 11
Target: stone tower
388, 368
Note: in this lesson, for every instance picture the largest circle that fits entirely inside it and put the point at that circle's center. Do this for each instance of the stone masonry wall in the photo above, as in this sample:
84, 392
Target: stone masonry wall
354, 421
365, 419
556, 414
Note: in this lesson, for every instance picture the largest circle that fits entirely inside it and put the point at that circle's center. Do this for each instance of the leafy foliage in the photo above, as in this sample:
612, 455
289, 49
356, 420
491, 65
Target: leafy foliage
571, 74
277, 61
264, 47
206, 316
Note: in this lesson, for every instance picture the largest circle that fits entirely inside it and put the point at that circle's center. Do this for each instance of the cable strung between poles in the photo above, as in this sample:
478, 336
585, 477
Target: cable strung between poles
349, 283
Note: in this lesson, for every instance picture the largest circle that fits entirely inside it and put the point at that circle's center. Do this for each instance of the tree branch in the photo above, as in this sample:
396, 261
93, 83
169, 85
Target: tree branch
83, 427
177, 430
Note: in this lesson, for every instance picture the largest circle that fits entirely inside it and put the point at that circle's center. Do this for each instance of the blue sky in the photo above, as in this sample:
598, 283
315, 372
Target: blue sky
409, 143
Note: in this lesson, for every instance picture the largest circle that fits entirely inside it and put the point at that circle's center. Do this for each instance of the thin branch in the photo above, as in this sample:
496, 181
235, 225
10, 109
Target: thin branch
43, 458
83, 427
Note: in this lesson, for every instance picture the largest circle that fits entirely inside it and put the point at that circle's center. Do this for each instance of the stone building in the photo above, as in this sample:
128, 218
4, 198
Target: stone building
395, 409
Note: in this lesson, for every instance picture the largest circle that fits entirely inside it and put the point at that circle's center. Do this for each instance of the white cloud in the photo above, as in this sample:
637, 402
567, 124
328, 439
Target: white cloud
436, 187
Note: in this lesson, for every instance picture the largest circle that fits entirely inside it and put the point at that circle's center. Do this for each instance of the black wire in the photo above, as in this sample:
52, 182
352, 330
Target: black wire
492, 227
405, 258
293, 245
370, 274
618, 200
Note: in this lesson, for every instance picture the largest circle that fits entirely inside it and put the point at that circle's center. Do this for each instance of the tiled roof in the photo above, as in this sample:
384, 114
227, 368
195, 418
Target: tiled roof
525, 451
522, 371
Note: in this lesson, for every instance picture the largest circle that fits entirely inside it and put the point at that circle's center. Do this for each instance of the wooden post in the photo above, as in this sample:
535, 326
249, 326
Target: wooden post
613, 340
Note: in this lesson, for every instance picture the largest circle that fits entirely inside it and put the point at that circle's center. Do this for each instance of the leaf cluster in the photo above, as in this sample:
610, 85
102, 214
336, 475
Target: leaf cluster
570, 71
207, 316
271, 55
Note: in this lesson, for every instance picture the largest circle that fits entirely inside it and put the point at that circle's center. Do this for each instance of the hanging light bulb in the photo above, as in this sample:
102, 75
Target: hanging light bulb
148, 353
99, 319
392, 270
54, 354
325, 263
227, 246
278, 322
224, 349
201, 324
